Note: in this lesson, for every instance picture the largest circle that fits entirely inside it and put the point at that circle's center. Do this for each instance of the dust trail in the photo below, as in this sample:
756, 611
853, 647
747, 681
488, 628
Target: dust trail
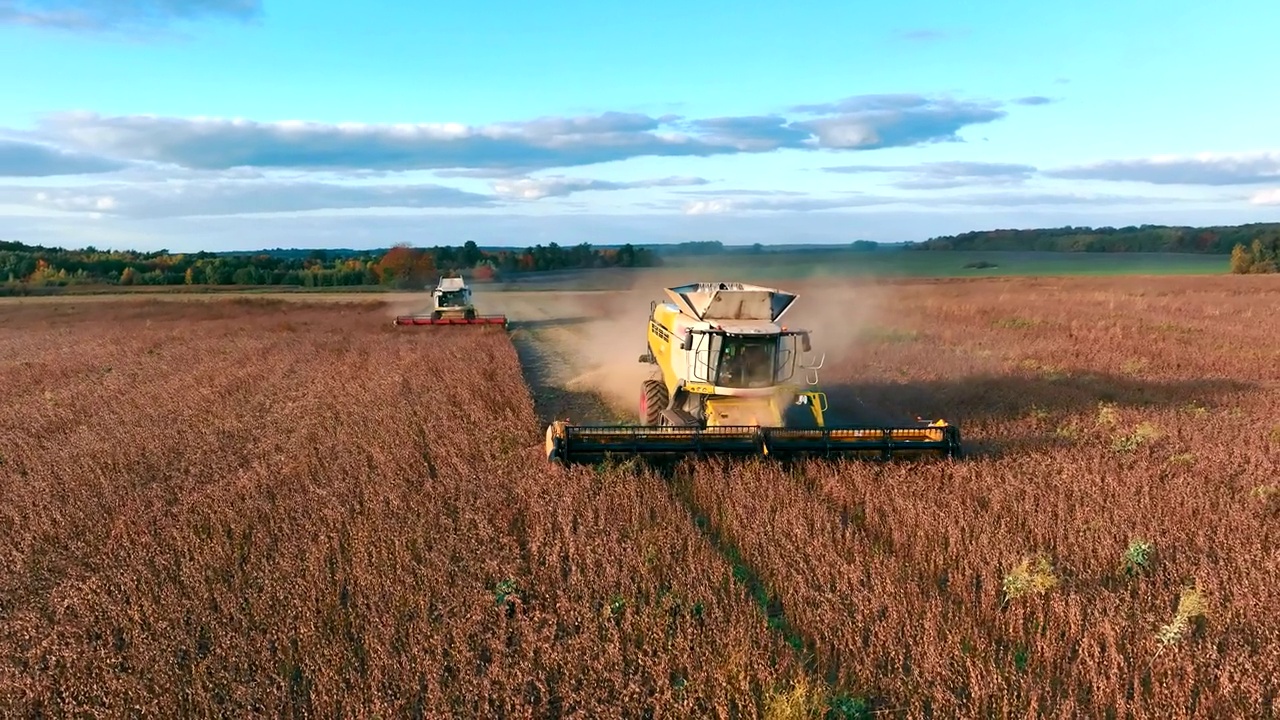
841, 314
609, 345
838, 314
406, 304
588, 342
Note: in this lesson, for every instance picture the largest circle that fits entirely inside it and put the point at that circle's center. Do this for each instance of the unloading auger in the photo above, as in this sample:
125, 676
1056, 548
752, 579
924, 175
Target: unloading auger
729, 380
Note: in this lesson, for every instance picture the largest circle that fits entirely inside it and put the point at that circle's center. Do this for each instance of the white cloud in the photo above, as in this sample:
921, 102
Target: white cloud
778, 204
708, 207
527, 188
856, 123
942, 175
1266, 197
1201, 169
226, 197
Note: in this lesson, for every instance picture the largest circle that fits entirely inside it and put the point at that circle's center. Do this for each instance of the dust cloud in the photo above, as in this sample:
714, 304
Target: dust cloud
837, 313
589, 341
585, 341
609, 345
417, 303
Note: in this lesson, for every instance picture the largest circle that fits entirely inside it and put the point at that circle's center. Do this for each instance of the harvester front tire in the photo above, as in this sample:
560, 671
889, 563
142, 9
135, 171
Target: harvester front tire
470, 314
653, 400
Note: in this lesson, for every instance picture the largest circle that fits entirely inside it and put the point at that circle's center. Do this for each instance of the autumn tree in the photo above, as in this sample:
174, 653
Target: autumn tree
405, 267
1241, 259
1266, 254
484, 271
1263, 256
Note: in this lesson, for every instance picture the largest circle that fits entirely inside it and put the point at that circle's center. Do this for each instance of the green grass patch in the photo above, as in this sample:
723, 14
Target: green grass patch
1016, 323
890, 336
944, 264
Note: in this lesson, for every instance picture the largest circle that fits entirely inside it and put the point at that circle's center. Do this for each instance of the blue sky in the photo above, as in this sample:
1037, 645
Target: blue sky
234, 124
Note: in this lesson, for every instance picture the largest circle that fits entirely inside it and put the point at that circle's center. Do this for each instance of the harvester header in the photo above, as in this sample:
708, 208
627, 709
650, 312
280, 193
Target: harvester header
451, 305
728, 379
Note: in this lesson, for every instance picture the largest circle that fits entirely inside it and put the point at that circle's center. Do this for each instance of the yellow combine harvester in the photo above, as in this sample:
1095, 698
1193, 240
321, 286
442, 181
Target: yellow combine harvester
730, 380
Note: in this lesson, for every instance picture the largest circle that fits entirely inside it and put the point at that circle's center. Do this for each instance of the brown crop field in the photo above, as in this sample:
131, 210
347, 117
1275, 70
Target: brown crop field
267, 508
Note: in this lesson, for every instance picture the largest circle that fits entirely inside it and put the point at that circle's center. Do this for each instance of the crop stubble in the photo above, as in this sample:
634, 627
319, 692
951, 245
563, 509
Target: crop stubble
240, 508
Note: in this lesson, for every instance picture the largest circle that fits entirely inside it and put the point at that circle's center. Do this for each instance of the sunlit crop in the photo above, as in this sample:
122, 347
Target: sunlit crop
237, 508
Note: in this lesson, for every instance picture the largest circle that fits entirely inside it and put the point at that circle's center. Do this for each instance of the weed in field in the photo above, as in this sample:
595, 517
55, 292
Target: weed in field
1033, 575
1134, 366
1192, 606
1069, 432
1108, 414
1196, 408
1143, 434
1173, 328
1138, 557
1016, 323
1269, 498
1048, 371
803, 700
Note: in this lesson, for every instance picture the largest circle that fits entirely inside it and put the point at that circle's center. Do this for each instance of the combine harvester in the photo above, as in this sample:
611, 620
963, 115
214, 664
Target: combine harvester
451, 305
725, 383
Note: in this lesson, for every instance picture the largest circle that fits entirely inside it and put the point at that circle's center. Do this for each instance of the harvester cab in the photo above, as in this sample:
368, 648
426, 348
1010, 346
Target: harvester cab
451, 305
728, 378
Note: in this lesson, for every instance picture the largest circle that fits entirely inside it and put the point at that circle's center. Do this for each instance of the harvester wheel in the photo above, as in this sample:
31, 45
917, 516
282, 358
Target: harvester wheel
435, 315
653, 400
470, 314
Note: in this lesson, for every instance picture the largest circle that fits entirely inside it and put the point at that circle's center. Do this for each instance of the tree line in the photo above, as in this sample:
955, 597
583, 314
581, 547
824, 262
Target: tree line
1213, 240
400, 266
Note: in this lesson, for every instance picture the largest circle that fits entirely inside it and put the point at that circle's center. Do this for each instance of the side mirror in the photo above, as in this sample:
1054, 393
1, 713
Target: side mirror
687, 345
804, 342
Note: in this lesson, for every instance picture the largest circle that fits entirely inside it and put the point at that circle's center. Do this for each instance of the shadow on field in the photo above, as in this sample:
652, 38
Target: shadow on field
534, 325
1012, 400
544, 376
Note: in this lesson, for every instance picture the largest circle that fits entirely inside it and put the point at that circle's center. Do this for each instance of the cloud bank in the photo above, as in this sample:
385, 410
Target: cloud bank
205, 198
857, 123
155, 167
943, 175
1201, 169
27, 159
752, 204
539, 188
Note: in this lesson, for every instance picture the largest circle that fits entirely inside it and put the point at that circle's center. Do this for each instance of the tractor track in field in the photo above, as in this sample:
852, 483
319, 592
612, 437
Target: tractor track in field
577, 359
579, 352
